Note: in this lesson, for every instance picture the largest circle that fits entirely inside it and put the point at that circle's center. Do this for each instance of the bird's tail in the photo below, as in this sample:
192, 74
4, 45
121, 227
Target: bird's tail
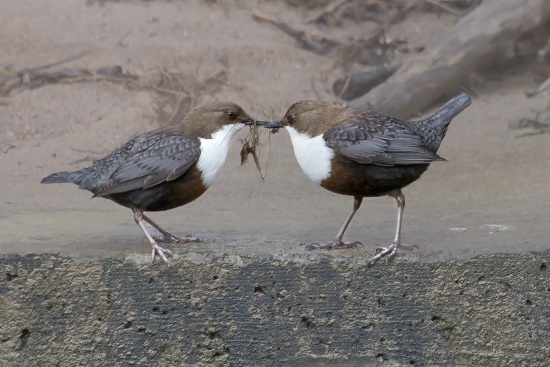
60, 177
434, 127
449, 111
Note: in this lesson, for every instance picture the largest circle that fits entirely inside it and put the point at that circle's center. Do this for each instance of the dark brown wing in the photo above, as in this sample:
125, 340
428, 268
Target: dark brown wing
381, 140
151, 160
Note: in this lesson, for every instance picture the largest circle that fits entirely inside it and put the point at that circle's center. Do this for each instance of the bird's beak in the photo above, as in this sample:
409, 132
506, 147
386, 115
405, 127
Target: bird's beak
273, 125
256, 122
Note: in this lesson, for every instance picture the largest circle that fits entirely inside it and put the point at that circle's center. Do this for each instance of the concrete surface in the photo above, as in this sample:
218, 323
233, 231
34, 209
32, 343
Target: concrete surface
274, 309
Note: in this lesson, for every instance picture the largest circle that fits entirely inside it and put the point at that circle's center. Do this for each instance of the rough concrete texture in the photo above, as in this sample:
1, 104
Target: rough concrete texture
279, 310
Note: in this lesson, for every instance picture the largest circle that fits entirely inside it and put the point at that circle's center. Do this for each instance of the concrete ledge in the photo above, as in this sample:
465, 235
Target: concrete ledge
295, 310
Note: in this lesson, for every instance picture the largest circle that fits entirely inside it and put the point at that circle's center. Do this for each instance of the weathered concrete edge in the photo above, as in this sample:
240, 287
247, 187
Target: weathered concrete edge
279, 310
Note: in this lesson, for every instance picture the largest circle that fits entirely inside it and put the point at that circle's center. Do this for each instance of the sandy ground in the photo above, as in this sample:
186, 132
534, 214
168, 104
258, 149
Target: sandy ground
490, 197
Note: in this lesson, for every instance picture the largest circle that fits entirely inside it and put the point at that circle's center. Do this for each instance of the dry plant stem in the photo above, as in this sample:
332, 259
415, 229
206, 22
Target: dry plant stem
306, 40
314, 89
346, 85
171, 77
47, 66
544, 86
444, 7
249, 146
257, 163
268, 155
125, 81
330, 8
356, 85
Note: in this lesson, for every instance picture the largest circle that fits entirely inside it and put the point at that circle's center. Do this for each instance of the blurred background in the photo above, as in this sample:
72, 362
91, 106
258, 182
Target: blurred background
80, 77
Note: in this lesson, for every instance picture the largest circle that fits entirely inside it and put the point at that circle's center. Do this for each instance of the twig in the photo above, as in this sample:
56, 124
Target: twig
15, 80
315, 89
268, 155
536, 132
345, 86
544, 86
85, 159
444, 7
249, 146
24, 71
88, 151
307, 41
353, 86
331, 7
125, 81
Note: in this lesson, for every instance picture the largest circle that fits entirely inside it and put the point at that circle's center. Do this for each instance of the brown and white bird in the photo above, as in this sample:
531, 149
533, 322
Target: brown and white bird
363, 153
164, 168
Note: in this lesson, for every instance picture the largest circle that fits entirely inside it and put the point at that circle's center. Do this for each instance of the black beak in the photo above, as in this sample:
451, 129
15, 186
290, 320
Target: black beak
273, 125
256, 122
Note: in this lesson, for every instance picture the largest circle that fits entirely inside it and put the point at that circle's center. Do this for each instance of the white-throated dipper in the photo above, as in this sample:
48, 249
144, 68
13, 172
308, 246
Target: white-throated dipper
164, 168
363, 153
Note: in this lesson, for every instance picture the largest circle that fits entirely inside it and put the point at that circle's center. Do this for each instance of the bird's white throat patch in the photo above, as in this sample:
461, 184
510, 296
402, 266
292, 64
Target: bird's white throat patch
214, 152
312, 154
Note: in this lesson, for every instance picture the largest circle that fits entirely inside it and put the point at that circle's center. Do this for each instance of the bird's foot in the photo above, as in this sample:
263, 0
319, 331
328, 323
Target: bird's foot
385, 252
334, 245
162, 252
170, 238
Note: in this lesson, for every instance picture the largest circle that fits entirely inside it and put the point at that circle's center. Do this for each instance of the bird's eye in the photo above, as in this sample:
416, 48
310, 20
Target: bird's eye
291, 119
231, 115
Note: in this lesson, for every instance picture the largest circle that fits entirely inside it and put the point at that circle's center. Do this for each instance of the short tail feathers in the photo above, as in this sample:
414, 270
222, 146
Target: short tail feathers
434, 127
449, 111
60, 177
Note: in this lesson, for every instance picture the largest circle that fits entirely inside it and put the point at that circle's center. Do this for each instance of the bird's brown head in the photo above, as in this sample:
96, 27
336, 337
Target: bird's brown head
312, 117
204, 120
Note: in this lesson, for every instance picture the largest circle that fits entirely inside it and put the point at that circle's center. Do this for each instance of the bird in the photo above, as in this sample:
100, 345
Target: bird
164, 168
363, 153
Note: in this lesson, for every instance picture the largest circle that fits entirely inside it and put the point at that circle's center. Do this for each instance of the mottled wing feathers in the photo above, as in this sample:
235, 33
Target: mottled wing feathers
150, 160
371, 138
360, 143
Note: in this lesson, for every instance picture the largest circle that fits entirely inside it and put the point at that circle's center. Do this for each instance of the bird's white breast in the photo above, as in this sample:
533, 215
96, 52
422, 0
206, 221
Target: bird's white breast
214, 152
312, 154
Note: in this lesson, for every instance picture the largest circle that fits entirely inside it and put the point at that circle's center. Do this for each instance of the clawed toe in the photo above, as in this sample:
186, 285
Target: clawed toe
384, 252
162, 252
353, 244
334, 245
169, 238
314, 246
166, 239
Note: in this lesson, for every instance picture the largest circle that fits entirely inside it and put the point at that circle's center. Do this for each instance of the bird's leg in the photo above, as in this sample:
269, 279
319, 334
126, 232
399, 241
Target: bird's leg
168, 237
338, 243
391, 250
140, 220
